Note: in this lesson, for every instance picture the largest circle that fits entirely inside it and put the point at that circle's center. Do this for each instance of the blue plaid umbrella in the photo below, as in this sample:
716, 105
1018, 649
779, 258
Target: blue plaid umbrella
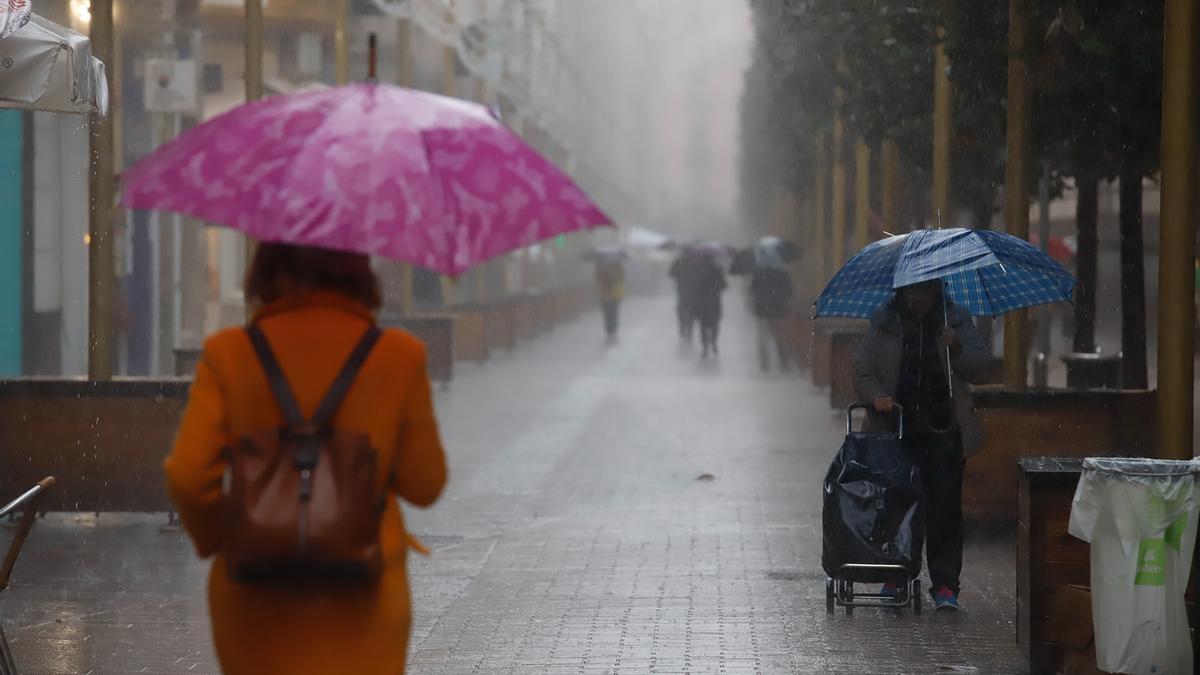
987, 272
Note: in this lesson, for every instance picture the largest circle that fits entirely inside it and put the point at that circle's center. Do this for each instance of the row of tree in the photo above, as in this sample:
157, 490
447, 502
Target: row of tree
1095, 69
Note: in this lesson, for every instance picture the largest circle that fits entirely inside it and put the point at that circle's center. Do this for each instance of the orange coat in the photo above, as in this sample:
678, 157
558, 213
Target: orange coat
261, 630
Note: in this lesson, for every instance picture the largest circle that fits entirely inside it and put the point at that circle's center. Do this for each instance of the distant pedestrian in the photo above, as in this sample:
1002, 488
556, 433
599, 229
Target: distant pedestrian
300, 432
706, 299
902, 360
683, 272
610, 281
771, 299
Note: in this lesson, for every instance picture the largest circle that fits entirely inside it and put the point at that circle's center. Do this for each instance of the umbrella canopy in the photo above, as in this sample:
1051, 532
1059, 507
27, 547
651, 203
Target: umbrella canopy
606, 253
987, 272
709, 247
416, 177
44, 66
768, 252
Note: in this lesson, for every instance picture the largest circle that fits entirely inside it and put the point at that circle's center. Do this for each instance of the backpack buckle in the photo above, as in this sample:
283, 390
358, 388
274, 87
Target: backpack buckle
307, 438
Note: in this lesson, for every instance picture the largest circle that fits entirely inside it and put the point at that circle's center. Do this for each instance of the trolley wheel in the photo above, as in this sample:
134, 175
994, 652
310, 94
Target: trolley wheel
829, 603
916, 596
848, 596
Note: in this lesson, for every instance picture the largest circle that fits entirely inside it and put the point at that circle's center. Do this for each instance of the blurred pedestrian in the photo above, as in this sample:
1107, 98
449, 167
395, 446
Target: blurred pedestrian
902, 360
318, 420
709, 283
771, 300
610, 280
683, 272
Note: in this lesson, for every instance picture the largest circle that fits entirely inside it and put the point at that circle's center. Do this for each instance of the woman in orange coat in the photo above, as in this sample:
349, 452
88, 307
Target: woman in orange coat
315, 305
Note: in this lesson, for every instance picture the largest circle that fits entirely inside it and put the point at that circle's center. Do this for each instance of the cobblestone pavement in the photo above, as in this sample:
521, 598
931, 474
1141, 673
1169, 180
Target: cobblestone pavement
620, 509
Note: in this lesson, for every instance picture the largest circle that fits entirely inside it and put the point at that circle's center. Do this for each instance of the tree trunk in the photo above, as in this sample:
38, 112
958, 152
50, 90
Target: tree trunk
1086, 215
1133, 281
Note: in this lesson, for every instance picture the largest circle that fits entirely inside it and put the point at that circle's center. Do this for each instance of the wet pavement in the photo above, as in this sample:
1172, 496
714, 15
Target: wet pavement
612, 509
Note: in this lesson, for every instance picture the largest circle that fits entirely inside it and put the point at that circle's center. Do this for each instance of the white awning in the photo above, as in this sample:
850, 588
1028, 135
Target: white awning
45, 66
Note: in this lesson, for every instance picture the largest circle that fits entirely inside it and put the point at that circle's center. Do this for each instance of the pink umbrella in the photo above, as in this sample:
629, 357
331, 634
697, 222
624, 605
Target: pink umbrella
420, 178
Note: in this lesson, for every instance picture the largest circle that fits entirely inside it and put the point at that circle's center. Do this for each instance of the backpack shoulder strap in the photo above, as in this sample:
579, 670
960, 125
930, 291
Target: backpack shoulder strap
341, 385
278, 381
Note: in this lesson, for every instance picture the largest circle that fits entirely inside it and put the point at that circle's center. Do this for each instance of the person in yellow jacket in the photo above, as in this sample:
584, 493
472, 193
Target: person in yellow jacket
315, 306
610, 279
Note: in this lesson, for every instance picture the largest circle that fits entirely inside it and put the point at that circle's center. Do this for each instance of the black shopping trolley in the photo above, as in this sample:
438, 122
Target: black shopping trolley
872, 521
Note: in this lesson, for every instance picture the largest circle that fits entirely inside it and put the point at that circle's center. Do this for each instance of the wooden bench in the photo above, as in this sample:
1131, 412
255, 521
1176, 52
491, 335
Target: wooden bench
468, 334
501, 325
437, 332
525, 313
1054, 423
105, 442
833, 351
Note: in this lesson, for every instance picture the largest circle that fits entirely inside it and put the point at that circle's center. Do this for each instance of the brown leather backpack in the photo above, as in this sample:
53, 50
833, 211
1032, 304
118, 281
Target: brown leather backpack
302, 502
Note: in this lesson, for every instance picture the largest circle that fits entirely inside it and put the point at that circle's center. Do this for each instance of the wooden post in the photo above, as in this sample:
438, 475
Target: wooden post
253, 79
862, 193
449, 88
941, 132
1016, 182
820, 196
839, 188
254, 50
405, 79
1177, 243
890, 160
341, 48
101, 195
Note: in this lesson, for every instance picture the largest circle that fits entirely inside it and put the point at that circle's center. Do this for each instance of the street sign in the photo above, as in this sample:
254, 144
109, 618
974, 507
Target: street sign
171, 86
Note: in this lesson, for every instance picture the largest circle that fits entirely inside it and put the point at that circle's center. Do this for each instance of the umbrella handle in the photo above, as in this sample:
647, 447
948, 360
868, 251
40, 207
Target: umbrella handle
946, 322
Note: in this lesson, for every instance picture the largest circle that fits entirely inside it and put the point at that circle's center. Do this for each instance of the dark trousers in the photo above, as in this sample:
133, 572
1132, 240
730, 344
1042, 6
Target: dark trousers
687, 320
710, 327
941, 461
610, 316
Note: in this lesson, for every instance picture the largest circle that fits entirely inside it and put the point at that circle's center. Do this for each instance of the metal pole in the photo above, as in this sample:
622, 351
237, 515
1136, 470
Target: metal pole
862, 192
101, 194
1177, 243
890, 159
1016, 181
941, 129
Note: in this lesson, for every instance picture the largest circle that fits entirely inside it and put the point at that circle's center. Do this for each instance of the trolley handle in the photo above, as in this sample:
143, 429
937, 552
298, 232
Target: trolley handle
897, 411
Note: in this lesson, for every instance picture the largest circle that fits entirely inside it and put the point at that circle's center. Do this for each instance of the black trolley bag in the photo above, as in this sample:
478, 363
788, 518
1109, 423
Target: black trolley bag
872, 520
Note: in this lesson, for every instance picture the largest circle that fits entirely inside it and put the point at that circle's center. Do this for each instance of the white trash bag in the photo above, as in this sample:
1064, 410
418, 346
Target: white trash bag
1140, 517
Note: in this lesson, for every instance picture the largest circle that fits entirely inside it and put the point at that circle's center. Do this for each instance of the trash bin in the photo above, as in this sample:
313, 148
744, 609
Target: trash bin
1140, 517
